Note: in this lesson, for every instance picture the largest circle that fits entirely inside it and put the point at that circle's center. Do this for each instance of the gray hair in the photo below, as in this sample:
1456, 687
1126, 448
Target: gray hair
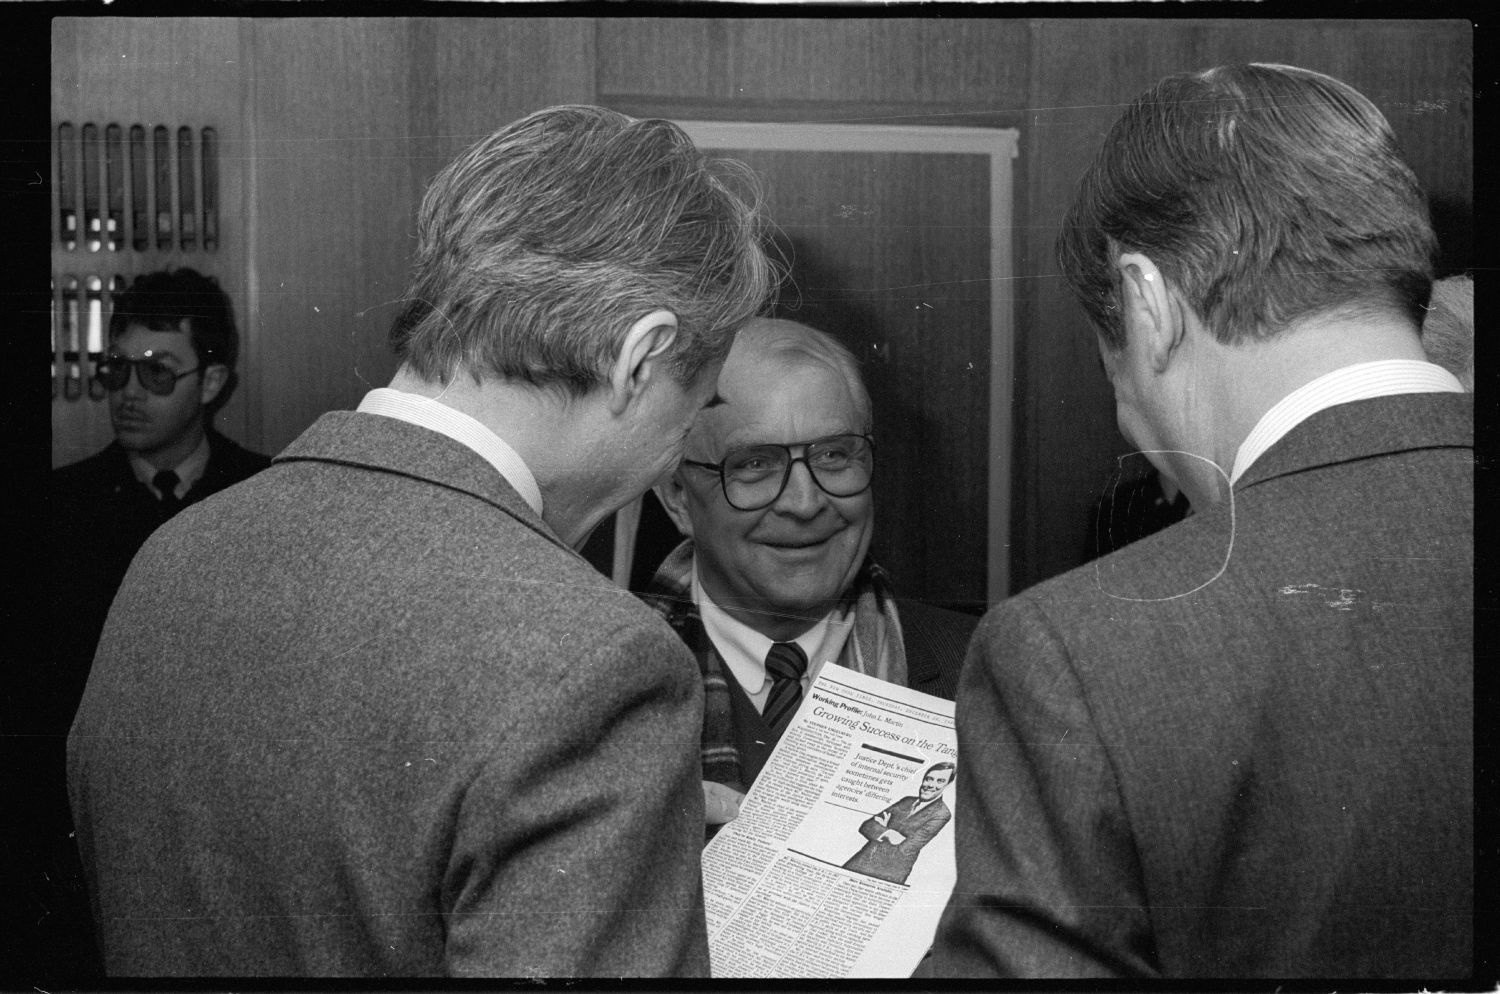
796, 343
541, 245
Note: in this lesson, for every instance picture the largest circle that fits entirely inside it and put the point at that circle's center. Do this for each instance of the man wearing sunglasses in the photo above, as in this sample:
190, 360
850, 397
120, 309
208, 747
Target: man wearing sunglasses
169, 368
774, 496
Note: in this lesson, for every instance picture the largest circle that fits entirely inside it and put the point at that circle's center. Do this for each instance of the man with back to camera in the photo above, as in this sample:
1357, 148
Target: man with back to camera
425, 736
1242, 746
773, 495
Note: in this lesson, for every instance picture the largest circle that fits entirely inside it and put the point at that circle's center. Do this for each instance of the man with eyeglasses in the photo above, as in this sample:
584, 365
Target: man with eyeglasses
775, 579
168, 369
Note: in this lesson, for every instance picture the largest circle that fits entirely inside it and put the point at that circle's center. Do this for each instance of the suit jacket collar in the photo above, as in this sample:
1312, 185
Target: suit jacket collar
387, 445
1365, 428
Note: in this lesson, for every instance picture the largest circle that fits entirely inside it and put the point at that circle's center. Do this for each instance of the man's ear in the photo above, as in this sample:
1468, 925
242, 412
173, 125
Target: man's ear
1151, 309
215, 376
672, 493
640, 358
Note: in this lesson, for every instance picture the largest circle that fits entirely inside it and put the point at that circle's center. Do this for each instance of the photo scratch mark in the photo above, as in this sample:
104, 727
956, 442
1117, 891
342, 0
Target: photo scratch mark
1343, 598
1228, 547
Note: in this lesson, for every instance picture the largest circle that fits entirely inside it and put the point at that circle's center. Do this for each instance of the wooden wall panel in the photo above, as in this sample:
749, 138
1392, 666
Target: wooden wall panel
350, 117
958, 64
137, 71
333, 188
1066, 435
483, 73
890, 254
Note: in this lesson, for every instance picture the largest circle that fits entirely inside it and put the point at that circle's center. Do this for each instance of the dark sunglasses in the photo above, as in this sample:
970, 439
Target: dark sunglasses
156, 376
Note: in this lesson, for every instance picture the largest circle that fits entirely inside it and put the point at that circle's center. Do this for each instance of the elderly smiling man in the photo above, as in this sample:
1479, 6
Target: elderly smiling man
773, 494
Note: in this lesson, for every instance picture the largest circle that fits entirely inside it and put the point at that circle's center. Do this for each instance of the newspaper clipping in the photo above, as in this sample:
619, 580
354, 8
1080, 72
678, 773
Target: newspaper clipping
841, 860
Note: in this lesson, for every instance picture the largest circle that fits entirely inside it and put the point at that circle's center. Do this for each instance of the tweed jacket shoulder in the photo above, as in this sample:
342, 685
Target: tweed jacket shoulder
1241, 746
365, 715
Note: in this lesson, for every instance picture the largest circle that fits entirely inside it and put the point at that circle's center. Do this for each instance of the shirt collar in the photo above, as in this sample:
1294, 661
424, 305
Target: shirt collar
189, 471
744, 649
436, 416
1342, 386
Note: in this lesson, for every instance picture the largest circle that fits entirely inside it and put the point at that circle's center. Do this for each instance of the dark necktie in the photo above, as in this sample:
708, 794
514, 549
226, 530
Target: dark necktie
166, 484
786, 663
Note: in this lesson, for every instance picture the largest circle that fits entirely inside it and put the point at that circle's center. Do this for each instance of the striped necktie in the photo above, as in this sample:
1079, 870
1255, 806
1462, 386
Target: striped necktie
786, 663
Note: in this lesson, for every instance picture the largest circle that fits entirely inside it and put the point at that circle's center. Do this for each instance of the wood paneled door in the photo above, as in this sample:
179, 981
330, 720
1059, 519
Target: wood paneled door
898, 241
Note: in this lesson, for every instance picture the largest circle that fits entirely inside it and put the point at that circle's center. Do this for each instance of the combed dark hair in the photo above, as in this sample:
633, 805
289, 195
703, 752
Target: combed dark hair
1263, 193
945, 765
162, 300
540, 245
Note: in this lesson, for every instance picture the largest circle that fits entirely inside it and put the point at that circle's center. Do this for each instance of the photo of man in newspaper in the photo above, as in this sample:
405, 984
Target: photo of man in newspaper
895, 837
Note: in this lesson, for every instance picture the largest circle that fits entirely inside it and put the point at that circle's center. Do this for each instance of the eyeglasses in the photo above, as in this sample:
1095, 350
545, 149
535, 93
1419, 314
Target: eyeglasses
755, 476
155, 375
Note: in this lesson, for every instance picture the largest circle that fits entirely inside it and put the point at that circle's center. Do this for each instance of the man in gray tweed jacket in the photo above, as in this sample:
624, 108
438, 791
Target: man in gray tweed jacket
369, 714
1242, 746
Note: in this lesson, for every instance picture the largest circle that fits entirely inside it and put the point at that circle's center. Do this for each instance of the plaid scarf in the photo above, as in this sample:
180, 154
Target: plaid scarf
874, 647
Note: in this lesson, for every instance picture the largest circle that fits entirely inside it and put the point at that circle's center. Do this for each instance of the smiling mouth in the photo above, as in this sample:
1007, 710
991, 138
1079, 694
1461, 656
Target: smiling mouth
800, 543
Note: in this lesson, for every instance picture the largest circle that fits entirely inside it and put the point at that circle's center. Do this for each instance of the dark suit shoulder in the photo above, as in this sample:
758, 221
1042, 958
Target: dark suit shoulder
104, 469
936, 640
229, 462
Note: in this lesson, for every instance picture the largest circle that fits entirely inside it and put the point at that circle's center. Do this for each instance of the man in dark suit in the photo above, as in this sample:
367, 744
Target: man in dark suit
168, 370
1242, 746
897, 835
369, 714
775, 578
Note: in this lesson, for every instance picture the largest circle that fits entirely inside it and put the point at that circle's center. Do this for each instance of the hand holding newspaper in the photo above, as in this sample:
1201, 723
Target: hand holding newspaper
841, 860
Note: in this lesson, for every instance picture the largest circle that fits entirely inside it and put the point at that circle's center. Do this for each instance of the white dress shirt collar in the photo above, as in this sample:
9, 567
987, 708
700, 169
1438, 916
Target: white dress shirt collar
1342, 386
189, 471
436, 416
744, 649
